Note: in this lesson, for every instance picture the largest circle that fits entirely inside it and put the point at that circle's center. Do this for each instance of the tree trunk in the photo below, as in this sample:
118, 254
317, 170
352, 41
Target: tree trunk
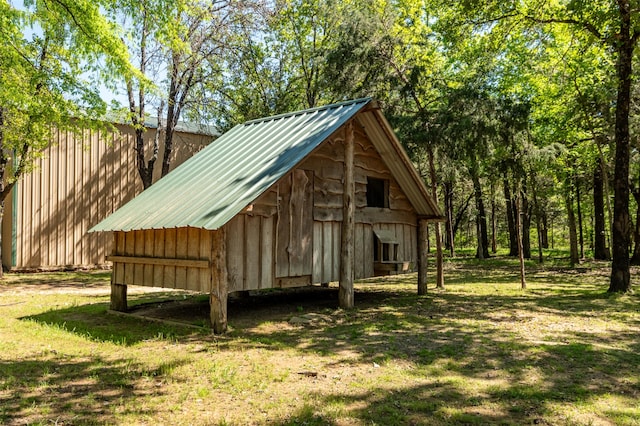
620, 232
172, 120
145, 170
525, 220
511, 223
448, 205
544, 231
538, 212
523, 280
573, 234
3, 178
600, 250
494, 243
423, 238
635, 259
345, 290
482, 252
1, 222
580, 231
438, 231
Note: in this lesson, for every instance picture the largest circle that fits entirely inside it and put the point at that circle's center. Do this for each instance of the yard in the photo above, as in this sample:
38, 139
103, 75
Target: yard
481, 352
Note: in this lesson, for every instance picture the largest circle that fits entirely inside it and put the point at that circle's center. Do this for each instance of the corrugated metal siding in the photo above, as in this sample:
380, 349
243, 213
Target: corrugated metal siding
211, 188
75, 185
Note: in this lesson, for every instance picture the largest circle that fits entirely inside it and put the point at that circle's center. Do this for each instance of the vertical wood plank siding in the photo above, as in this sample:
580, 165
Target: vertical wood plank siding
146, 244
400, 217
77, 183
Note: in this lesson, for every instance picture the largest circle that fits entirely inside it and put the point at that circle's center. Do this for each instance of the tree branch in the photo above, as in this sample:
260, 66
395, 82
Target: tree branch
585, 25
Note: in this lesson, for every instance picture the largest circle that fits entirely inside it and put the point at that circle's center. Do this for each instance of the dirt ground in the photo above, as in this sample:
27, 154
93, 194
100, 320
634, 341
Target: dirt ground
274, 305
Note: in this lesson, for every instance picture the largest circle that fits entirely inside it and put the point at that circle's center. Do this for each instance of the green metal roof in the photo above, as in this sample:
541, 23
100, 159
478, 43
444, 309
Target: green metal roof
214, 185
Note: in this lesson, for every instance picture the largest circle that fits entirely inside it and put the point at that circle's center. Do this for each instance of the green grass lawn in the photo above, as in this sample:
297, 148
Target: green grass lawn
481, 352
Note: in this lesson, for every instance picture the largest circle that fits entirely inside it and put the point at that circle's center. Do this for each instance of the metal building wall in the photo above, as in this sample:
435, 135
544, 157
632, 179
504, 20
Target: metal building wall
77, 183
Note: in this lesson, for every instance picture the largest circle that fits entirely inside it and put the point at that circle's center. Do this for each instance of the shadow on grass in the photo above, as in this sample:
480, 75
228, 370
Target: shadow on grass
446, 340
47, 389
93, 322
457, 337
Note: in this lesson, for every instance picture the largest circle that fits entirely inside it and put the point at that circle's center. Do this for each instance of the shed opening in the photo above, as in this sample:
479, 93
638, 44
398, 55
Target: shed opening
385, 254
377, 192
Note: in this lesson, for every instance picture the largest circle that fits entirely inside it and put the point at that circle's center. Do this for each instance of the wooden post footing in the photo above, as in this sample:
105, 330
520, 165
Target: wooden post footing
118, 297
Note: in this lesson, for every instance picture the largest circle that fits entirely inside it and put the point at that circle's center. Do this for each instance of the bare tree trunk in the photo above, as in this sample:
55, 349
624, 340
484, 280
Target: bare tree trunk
600, 250
580, 231
537, 211
3, 170
494, 243
423, 238
523, 280
434, 194
635, 259
525, 221
571, 219
620, 233
511, 223
1, 221
544, 219
482, 251
448, 202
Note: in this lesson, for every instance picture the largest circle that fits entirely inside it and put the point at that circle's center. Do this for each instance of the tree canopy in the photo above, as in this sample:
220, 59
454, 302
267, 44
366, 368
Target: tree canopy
529, 109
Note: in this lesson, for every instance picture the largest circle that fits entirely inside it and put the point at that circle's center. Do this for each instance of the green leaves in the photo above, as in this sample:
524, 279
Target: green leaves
49, 48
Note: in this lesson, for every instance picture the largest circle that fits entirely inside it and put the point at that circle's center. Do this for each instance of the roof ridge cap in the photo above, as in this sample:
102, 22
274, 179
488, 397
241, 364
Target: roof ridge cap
307, 111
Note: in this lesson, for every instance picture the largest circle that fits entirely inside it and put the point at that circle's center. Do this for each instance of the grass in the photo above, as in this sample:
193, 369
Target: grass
482, 352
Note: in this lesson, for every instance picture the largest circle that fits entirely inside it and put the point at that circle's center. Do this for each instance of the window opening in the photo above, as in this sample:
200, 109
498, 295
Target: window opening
377, 192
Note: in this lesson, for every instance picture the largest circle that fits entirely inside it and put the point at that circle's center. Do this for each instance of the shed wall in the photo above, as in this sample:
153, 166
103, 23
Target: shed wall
279, 262
170, 258
400, 218
77, 183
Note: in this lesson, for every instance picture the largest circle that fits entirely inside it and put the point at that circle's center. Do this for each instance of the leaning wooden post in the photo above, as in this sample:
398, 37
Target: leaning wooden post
345, 293
423, 241
219, 282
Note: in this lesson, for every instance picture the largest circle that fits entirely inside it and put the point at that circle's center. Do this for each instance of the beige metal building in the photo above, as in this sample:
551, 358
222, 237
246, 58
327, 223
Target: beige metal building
77, 183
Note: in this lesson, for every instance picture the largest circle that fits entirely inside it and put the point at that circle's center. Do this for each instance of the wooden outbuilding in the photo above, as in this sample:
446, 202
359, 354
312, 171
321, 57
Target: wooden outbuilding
311, 197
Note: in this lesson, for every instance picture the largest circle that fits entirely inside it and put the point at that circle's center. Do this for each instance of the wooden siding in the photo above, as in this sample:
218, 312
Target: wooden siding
172, 258
77, 183
251, 246
400, 218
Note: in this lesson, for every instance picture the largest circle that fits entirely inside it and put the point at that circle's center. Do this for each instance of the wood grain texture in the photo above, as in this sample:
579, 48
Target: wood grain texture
345, 290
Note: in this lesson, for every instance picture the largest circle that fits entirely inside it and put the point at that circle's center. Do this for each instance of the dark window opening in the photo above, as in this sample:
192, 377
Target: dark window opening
377, 192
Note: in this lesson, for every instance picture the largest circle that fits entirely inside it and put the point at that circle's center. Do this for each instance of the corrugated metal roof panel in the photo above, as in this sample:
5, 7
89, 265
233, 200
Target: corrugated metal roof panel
217, 183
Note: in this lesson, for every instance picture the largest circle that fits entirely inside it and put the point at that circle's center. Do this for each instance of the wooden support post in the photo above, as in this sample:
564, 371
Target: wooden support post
219, 282
118, 296
423, 241
345, 293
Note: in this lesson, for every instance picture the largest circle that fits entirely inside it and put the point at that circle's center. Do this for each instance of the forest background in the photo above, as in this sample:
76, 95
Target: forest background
520, 115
